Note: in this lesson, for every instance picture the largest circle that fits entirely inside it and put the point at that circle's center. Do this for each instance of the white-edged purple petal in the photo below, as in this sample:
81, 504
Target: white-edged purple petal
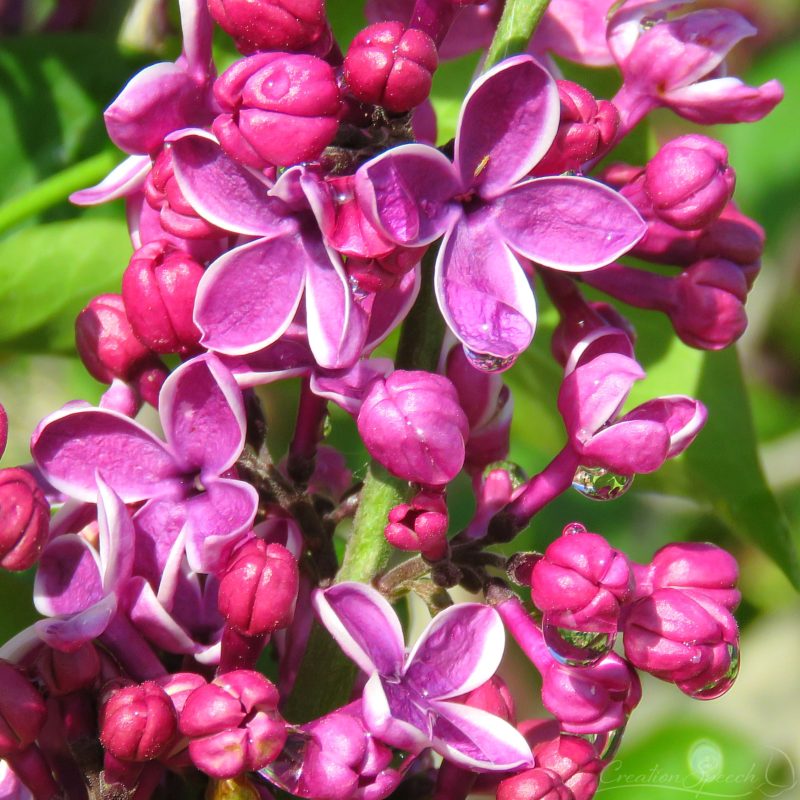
408, 192
216, 519
158, 524
125, 179
248, 297
568, 223
476, 739
724, 101
347, 388
203, 417
684, 417
627, 447
154, 622
158, 100
337, 326
507, 123
70, 446
116, 537
222, 191
365, 626
625, 25
197, 30
18, 648
593, 394
395, 716
390, 307
441, 670
69, 633
286, 358
68, 578
483, 292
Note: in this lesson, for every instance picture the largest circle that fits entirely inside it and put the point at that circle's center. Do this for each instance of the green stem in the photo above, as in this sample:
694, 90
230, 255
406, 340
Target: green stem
56, 189
519, 20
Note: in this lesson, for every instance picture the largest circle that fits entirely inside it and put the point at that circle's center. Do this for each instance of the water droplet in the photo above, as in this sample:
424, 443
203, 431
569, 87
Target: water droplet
605, 744
646, 23
598, 483
486, 362
358, 292
577, 644
573, 528
286, 769
718, 687
327, 426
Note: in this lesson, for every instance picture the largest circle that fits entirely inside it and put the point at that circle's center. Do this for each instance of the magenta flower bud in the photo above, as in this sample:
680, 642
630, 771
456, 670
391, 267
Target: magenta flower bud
3, 430
391, 66
138, 722
585, 132
689, 181
413, 424
686, 638
579, 585
591, 699
175, 214
149, 379
66, 672
708, 310
24, 519
258, 589
287, 25
420, 525
696, 567
493, 696
158, 288
105, 340
278, 109
233, 724
534, 784
22, 711
574, 760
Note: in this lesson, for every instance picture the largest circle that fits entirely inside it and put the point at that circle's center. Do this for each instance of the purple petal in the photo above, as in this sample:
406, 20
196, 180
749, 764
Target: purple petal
576, 30
507, 123
571, 224
286, 358
396, 716
158, 526
227, 194
116, 537
364, 625
248, 297
390, 307
68, 579
337, 327
483, 293
347, 388
625, 26
592, 394
477, 739
197, 30
684, 417
74, 631
724, 100
203, 416
125, 179
20, 647
408, 192
154, 621
70, 446
217, 518
441, 670
627, 447
157, 101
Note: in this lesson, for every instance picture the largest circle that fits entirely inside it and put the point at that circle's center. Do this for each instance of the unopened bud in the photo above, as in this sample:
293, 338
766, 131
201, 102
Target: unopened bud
64, 673
420, 525
391, 66
24, 519
22, 711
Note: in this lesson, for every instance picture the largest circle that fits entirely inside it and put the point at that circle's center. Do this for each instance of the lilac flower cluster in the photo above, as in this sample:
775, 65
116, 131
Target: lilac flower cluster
286, 216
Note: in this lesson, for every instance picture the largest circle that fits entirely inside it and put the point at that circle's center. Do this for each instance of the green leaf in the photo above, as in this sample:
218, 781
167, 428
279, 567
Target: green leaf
723, 465
53, 89
49, 272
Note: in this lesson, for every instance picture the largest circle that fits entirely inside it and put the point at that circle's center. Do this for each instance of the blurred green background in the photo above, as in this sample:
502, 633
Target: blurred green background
739, 485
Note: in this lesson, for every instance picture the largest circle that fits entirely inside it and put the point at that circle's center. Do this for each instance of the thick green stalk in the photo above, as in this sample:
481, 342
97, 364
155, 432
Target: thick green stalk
519, 21
53, 191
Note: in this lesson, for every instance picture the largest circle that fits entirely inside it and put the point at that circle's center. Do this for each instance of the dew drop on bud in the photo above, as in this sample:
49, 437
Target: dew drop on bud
598, 483
647, 23
573, 528
358, 292
486, 362
577, 644
285, 771
715, 689
605, 744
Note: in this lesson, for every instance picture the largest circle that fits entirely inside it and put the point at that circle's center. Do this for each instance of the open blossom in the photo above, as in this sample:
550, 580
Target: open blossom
407, 700
489, 214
